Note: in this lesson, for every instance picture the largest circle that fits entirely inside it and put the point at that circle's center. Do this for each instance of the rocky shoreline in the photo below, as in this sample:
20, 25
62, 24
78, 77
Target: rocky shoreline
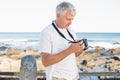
97, 59
11, 60
100, 60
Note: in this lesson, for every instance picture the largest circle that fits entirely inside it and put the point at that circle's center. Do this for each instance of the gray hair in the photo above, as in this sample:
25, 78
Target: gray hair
65, 6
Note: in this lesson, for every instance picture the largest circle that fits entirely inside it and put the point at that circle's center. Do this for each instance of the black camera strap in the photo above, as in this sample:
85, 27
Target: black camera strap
62, 34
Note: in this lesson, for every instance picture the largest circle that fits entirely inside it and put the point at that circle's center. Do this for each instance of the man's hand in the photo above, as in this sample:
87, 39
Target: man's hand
76, 47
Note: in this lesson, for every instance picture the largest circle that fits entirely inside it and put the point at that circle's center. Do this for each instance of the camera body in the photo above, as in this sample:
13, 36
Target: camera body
84, 42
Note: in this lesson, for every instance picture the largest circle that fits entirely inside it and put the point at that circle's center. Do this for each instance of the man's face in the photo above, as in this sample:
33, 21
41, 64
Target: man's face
65, 20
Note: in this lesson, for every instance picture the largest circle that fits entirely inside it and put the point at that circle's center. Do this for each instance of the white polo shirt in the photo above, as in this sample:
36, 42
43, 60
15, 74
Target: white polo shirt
52, 42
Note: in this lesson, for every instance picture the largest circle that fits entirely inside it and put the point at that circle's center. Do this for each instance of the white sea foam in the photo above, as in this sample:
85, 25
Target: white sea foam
106, 45
19, 43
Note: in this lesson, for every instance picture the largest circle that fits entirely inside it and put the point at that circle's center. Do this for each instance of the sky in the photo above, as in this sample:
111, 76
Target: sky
34, 15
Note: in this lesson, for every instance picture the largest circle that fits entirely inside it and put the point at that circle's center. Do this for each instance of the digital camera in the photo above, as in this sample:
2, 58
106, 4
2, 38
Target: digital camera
85, 43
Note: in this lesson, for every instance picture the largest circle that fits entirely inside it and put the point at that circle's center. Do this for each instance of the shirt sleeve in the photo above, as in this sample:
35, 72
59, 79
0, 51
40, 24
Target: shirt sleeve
45, 42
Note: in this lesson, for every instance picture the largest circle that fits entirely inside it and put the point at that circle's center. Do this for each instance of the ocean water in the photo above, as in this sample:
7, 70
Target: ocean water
25, 40
20, 40
106, 40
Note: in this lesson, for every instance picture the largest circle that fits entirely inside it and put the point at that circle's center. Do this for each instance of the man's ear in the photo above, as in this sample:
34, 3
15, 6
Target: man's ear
57, 15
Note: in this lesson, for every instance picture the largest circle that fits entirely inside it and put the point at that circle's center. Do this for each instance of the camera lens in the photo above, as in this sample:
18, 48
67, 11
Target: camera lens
85, 43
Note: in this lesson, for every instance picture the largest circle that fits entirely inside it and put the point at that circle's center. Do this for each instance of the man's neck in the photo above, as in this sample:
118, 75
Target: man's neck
58, 24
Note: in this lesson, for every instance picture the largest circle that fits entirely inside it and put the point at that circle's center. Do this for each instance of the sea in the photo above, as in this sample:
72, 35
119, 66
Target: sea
24, 40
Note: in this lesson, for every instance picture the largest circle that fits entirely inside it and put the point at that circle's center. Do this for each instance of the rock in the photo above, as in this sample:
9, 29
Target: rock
84, 62
115, 58
12, 51
28, 69
3, 48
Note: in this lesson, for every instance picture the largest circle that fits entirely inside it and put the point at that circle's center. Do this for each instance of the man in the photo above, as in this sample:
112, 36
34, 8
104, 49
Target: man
59, 47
